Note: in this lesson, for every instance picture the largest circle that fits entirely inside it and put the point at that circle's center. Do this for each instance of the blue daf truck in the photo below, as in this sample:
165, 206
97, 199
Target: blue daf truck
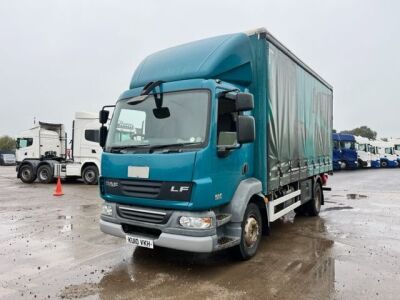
213, 141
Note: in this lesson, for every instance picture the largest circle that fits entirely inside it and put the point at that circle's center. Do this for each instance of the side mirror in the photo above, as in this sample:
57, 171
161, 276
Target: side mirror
103, 116
246, 129
242, 101
103, 136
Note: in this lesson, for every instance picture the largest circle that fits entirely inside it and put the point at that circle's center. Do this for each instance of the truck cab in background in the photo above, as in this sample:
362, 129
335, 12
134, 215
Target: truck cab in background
43, 141
387, 154
337, 153
363, 153
41, 151
396, 144
349, 151
375, 156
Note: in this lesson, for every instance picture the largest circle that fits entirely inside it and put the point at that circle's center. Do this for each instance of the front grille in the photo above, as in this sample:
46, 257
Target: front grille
147, 189
140, 188
142, 215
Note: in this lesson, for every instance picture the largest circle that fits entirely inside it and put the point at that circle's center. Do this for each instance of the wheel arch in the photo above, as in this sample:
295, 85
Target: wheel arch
30, 162
90, 163
248, 190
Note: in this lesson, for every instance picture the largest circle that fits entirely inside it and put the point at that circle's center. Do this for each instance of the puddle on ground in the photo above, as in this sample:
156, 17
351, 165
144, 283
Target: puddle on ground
338, 208
355, 196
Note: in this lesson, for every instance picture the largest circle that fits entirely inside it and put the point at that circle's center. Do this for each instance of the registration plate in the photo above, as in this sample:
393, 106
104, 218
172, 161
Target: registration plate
141, 242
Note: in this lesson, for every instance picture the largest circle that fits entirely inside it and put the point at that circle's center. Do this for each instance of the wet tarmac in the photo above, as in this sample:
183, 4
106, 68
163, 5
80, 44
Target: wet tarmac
51, 247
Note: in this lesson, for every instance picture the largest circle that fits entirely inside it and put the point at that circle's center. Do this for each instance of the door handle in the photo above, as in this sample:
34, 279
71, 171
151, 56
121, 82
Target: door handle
93, 151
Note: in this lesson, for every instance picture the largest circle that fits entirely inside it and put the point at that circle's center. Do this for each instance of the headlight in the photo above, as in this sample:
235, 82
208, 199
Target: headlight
195, 222
107, 210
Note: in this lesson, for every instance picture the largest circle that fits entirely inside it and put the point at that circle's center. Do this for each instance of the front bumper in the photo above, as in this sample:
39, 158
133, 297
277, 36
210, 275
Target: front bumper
168, 232
203, 244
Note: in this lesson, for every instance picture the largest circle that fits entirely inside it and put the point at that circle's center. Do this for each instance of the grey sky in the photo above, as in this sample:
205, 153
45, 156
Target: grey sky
59, 57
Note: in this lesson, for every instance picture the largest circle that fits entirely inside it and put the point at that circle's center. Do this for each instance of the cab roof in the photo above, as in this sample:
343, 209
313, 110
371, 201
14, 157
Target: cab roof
225, 57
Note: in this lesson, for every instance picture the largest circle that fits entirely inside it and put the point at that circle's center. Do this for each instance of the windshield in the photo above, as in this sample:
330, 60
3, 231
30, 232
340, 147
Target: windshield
136, 125
336, 145
388, 151
347, 145
362, 147
372, 149
24, 142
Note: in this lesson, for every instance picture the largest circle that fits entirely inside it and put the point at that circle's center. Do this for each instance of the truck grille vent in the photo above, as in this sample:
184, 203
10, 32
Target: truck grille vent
142, 215
140, 188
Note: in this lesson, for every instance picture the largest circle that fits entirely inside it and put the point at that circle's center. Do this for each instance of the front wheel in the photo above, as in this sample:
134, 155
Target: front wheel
26, 174
384, 164
251, 232
90, 175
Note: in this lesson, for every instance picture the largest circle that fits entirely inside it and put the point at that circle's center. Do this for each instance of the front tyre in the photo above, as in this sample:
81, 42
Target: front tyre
26, 174
44, 174
251, 232
90, 175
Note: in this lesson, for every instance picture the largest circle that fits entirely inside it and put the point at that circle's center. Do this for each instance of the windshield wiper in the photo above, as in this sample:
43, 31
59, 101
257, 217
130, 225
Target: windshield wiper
118, 149
157, 147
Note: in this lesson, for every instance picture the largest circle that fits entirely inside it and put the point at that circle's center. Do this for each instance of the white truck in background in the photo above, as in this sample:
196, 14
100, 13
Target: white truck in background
375, 156
387, 154
396, 143
42, 151
363, 151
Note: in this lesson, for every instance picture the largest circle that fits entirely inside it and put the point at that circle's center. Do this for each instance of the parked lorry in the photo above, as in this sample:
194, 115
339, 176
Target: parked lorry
375, 156
337, 153
349, 151
363, 152
42, 151
225, 135
396, 144
388, 156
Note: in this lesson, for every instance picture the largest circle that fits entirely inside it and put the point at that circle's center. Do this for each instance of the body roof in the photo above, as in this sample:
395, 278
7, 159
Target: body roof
345, 137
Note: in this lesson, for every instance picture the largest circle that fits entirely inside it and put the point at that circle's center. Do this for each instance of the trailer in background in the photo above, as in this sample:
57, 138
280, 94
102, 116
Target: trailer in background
42, 151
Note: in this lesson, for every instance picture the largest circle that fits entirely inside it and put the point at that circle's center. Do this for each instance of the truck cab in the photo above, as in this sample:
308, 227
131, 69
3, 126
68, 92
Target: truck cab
387, 153
44, 140
396, 144
337, 153
375, 156
363, 153
349, 151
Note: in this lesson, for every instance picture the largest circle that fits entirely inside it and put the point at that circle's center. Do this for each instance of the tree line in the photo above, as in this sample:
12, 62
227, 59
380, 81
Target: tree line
363, 131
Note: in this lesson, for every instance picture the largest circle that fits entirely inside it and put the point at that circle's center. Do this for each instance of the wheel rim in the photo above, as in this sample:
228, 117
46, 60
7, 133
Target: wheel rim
251, 231
26, 174
89, 176
44, 175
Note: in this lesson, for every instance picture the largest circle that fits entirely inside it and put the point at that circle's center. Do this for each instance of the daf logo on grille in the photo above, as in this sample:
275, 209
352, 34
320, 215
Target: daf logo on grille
111, 183
179, 189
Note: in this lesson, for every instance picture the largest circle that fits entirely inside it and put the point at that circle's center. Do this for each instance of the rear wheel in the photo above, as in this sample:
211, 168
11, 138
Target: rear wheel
26, 174
251, 232
313, 206
90, 175
44, 174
